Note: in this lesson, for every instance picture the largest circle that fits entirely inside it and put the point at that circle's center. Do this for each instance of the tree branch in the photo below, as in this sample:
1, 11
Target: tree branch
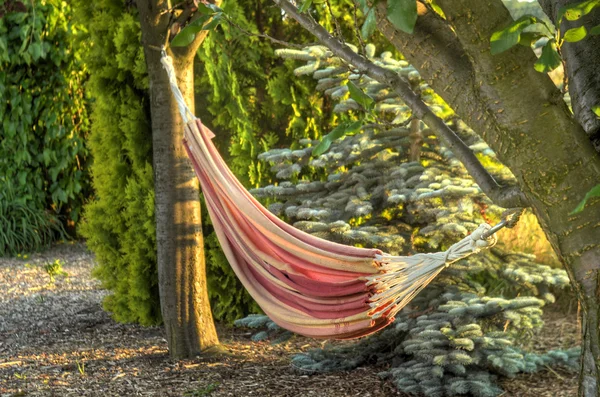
509, 196
189, 51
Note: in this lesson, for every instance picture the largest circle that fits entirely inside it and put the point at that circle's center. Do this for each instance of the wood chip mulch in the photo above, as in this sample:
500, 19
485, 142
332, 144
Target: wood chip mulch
56, 340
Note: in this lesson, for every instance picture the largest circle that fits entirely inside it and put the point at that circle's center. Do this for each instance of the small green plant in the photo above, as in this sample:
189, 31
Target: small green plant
25, 228
22, 377
80, 367
204, 391
55, 269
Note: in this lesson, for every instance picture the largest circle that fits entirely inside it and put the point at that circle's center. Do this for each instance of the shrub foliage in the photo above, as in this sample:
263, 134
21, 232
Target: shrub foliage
43, 157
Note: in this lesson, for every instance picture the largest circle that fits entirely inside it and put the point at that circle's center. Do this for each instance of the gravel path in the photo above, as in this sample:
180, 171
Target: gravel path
55, 340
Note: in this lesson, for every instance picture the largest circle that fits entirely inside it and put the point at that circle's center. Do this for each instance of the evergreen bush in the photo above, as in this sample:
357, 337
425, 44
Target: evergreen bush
394, 186
119, 222
44, 122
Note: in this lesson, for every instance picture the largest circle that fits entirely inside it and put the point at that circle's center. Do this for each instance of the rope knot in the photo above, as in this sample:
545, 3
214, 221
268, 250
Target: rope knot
478, 242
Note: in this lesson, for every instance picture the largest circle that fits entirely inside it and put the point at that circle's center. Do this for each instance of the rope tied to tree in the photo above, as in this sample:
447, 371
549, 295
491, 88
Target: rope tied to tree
184, 110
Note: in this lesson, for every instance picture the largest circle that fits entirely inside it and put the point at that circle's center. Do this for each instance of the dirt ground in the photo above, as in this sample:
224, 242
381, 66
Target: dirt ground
55, 340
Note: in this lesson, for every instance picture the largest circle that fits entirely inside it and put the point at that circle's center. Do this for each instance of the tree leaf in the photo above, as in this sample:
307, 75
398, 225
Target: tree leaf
575, 34
594, 31
214, 7
402, 14
576, 10
188, 34
305, 6
596, 110
550, 58
509, 37
214, 23
205, 9
369, 25
338, 132
528, 38
594, 192
360, 96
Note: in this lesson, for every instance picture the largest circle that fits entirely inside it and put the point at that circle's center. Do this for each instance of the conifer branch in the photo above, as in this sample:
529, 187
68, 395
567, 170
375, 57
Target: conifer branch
505, 196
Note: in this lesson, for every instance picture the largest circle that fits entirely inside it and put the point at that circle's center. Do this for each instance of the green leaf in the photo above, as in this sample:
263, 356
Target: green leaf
61, 195
437, 8
204, 9
576, 10
402, 14
359, 96
22, 176
338, 132
369, 25
595, 192
596, 110
305, 6
188, 34
510, 36
214, 23
35, 49
594, 31
549, 60
214, 8
528, 38
575, 34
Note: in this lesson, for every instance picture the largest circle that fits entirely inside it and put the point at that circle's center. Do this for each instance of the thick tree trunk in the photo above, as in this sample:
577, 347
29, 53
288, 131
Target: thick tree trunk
181, 268
521, 115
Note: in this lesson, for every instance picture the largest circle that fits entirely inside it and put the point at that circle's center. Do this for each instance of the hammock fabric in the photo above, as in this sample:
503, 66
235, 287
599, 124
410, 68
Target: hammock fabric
305, 284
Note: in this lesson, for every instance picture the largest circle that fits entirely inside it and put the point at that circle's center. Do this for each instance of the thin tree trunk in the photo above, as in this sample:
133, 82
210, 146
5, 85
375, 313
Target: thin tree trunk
181, 265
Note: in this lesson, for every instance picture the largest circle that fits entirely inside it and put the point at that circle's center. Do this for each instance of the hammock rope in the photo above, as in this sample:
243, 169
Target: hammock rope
305, 284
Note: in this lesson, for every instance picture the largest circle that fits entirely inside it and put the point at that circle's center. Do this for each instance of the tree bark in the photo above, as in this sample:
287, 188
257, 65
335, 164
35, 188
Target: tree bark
582, 58
521, 115
180, 246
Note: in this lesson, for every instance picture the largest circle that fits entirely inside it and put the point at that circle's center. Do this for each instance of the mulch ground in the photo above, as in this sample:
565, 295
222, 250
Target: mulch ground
55, 340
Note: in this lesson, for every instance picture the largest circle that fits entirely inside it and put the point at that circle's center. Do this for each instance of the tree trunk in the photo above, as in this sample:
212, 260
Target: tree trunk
181, 265
521, 115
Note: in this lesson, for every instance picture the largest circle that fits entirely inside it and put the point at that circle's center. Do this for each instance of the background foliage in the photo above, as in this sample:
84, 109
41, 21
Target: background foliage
119, 222
43, 174
394, 186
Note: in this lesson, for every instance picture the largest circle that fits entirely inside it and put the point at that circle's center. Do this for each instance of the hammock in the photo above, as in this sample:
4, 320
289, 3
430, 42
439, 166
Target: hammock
305, 284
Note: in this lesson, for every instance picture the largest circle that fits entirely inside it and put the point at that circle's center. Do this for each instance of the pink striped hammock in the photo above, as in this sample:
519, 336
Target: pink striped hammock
305, 284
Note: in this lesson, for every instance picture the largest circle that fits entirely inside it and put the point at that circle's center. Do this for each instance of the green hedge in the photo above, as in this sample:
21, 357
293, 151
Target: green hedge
43, 178
119, 222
